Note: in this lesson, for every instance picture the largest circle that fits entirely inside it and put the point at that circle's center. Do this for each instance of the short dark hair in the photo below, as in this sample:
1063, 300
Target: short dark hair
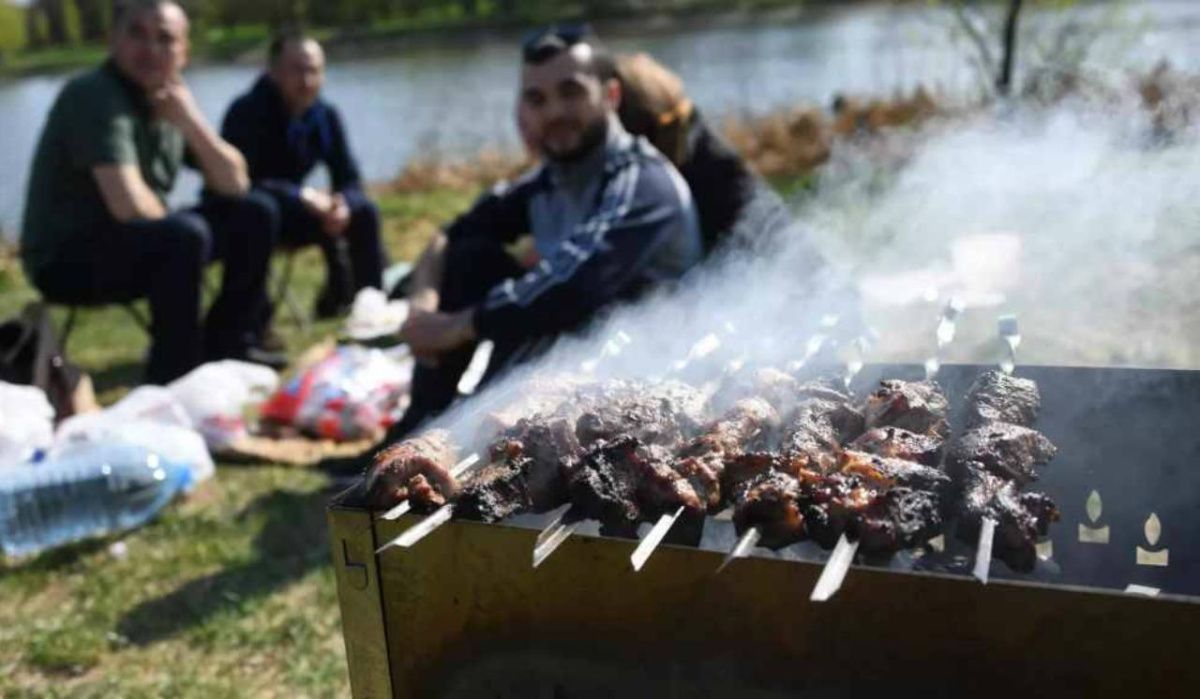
541, 45
124, 10
285, 37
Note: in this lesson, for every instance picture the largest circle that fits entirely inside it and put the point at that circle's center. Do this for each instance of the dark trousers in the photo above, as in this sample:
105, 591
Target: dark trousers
471, 270
163, 261
353, 261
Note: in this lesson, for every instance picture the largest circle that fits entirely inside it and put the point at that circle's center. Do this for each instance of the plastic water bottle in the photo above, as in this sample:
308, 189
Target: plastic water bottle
94, 490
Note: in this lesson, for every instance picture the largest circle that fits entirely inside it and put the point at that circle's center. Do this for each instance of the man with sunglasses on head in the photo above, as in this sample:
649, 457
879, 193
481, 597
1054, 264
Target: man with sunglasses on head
610, 217
97, 228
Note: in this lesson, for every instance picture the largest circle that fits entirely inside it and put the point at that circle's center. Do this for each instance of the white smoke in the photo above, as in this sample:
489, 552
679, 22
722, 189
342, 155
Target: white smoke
1072, 218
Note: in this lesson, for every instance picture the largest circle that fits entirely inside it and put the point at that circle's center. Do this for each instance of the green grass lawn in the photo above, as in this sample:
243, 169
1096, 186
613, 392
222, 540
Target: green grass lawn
227, 594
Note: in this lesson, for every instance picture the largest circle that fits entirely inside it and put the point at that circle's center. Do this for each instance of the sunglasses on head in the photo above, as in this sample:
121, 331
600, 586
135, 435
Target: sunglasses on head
562, 35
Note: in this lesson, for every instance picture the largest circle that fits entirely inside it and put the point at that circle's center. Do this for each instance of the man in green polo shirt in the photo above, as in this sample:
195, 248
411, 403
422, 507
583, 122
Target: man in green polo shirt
97, 229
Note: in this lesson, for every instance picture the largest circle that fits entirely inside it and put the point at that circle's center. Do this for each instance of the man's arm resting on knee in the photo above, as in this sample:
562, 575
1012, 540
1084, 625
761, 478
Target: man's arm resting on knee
126, 194
222, 164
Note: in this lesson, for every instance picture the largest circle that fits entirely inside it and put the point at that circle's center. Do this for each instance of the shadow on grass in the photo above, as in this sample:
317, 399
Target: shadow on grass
292, 543
121, 375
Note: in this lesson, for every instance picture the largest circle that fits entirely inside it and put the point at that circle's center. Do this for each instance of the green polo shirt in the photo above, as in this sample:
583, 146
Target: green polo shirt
99, 118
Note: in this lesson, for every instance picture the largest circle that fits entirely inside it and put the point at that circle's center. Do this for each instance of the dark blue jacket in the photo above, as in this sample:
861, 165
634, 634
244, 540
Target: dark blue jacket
282, 150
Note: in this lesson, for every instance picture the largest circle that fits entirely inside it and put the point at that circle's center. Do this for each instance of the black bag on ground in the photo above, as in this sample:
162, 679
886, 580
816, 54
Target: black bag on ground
31, 355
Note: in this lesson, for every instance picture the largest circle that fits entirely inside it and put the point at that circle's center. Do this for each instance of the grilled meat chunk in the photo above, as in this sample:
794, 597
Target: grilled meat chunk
624, 482
901, 518
999, 397
547, 442
772, 502
916, 406
747, 426
817, 429
497, 491
666, 414
1020, 517
1009, 451
884, 473
416, 469
898, 443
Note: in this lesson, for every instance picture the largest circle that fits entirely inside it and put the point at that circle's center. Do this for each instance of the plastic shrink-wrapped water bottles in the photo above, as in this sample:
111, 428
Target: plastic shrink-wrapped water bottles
91, 490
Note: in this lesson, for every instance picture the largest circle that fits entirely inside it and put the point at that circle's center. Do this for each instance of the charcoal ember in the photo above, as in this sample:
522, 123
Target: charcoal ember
883, 472
606, 481
548, 442
999, 397
899, 443
666, 414
1009, 451
416, 469
916, 406
1020, 517
497, 491
816, 431
902, 518
771, 502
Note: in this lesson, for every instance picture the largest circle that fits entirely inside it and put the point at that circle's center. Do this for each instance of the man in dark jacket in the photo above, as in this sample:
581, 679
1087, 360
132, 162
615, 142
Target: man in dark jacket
284, 128
609, 217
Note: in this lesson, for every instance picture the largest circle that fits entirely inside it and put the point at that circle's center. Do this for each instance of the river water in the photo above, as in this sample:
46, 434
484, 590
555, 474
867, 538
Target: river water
456, 101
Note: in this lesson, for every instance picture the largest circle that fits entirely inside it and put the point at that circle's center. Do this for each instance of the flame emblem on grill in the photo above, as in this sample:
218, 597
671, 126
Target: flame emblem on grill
1092, 533
1153, 531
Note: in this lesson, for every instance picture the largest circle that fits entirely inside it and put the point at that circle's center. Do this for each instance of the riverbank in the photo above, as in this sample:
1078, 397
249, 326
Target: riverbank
216, 45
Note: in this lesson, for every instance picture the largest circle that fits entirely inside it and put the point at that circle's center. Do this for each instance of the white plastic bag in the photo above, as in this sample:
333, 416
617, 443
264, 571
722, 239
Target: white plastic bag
216, 394
149, 417
373, 315
26, 422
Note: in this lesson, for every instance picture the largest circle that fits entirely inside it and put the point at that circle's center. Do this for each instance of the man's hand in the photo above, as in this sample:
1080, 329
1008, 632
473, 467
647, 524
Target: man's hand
316, 201
337, 219
174, 103
432, 333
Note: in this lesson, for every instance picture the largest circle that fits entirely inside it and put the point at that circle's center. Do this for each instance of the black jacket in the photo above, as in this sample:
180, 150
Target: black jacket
282, 150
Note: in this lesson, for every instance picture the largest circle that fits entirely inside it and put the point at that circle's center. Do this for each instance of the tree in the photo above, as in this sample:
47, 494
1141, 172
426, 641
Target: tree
93, 19
55, 14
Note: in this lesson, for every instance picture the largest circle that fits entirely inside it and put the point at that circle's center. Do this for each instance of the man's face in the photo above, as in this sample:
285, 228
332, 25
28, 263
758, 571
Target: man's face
563, 108
151, 47
299, 72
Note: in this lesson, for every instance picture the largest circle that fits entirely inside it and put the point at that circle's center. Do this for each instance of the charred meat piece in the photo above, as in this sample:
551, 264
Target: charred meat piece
772, 503
999, 397
417, 470
746, 426
816, 431
497, 491
625, 481
884, 473
665, 414
899, 443
1020, 517
833, 502
1009, 451
547, 442
916, 406
902, 518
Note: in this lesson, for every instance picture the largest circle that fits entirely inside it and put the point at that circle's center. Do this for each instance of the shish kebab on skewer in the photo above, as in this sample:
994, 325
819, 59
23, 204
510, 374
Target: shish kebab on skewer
844, 488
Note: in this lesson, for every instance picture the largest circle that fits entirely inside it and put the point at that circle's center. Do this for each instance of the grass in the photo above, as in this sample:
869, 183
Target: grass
227, 594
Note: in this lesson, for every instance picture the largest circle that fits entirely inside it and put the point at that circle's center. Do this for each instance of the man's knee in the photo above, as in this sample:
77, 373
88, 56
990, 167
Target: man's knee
186, 237
261, 214
364, 219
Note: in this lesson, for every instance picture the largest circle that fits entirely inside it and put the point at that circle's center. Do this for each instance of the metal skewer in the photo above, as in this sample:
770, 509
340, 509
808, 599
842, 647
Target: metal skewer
654, 537
553, 536
835, 570
742, 548
983, 554
458, 471
1010, 334
421, 529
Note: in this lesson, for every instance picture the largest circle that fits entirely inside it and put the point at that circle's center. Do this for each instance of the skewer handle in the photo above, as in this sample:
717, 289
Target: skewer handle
654, 537
835, 570
742, 548
983, 554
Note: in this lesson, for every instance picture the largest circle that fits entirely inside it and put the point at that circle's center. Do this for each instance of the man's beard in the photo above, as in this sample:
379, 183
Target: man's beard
593, 135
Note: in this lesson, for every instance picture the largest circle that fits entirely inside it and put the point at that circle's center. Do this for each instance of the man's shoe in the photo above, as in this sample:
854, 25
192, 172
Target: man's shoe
272, 341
